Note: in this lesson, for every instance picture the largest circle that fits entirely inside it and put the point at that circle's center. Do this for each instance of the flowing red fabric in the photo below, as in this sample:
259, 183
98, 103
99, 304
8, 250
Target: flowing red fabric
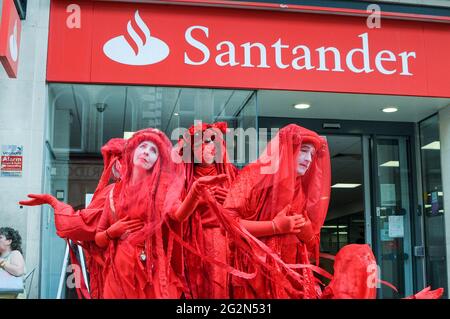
427, 293
139, 265
264, 188
355, 274
80, 226
111, 152
202, 231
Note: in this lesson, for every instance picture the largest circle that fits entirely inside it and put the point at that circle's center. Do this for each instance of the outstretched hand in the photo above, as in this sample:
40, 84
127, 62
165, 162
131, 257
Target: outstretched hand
38, 199
427, 293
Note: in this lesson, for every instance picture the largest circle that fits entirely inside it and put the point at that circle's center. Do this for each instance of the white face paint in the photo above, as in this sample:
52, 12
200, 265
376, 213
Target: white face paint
305, 158
145, 155
207, 149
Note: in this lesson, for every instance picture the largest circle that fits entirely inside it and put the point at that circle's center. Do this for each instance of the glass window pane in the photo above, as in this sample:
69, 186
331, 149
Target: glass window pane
83, 117
433, 204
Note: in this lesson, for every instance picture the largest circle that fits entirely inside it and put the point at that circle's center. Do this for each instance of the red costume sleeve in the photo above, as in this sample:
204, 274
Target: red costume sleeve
104, 221
80, 225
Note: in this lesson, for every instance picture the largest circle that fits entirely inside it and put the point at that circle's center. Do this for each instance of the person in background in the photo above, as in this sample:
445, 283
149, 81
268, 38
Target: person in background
11, 258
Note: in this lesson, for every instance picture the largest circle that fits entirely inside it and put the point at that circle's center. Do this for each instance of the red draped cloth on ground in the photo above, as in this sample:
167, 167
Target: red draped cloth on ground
263, 189
139, 265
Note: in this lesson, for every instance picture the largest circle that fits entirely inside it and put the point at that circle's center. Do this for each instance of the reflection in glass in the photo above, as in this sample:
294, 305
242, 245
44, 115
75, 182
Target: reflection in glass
82, 118
393, 250
345, 222
433, 196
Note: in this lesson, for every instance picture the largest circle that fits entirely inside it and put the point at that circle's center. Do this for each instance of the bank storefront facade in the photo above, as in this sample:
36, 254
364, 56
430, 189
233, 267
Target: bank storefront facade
377, 94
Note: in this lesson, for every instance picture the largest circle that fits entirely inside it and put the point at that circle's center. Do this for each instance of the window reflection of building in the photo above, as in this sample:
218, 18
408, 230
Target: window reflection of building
433, 208
345, 222
82, 118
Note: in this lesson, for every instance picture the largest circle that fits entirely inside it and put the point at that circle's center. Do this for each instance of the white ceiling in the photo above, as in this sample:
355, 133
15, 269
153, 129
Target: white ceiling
159, 106
345, 106
129, 108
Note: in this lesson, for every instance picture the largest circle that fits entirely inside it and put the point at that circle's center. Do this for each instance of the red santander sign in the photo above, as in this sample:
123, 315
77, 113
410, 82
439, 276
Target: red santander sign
10, 31
147, 44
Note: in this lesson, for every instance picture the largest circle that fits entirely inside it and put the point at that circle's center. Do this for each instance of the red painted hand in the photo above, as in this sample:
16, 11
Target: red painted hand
39, 199
124, 225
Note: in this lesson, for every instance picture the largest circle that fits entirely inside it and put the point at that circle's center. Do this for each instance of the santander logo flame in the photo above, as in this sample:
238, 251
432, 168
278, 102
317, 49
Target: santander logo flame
13, 46
150, 50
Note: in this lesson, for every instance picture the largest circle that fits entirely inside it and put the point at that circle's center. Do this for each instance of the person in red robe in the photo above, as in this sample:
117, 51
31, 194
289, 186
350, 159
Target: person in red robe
282, 198
206, 166
138, 248
80, 226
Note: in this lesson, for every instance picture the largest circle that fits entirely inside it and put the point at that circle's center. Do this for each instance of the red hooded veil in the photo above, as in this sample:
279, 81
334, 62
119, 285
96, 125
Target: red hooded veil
139, 265
112, 153
202, 230
82, 225
268, 185
222, 166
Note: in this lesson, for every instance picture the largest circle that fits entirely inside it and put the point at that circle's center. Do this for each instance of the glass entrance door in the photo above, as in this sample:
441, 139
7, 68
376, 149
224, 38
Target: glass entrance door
392, 203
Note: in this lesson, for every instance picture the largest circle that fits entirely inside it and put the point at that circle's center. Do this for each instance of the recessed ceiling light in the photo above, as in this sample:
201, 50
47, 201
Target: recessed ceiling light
436, 145
334, 226
345, 185
340, 233
302, 106
391, 164
390, 109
